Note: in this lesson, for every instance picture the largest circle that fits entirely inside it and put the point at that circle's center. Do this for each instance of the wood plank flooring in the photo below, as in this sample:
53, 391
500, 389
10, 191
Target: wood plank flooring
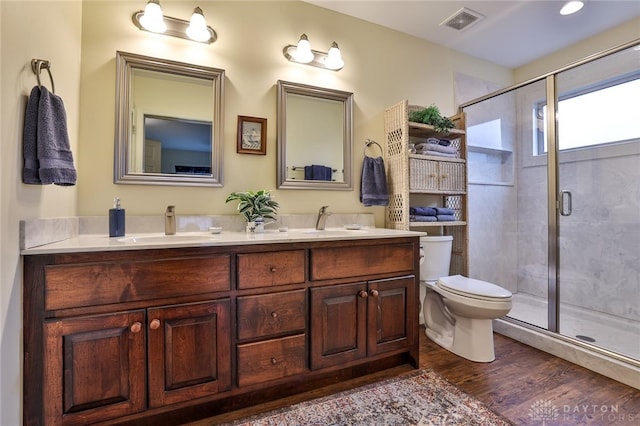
520, 377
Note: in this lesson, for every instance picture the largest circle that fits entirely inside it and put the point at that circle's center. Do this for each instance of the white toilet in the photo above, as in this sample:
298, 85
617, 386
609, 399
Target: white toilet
458, 310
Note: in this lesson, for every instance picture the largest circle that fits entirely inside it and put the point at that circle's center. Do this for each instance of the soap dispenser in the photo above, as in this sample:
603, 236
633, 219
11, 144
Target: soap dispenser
116, 219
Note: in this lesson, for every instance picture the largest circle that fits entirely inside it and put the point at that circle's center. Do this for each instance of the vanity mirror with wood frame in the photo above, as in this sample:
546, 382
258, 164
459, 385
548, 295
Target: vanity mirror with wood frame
315, 134
168, 122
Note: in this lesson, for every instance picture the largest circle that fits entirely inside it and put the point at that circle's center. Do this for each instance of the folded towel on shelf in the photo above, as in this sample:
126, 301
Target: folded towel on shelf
30, 171
433, 141
446, 218
373, 187
435, 147
421, 218
317, 172
444, 142
54, 152
444, 211
436, 153
423, 211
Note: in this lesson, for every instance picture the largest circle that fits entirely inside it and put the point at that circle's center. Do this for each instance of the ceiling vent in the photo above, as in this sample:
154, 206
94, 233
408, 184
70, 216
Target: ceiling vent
462, 19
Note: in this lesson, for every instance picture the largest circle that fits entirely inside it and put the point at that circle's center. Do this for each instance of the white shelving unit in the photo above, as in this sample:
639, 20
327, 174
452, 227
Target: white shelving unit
427, 180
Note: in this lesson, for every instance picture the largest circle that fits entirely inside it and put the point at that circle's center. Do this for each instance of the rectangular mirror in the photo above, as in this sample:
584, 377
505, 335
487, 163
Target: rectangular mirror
315, 132
168, 122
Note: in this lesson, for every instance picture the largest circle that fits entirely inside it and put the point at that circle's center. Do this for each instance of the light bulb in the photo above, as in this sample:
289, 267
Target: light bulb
334, 57
197, 29
152, 19
303, 52
571, 7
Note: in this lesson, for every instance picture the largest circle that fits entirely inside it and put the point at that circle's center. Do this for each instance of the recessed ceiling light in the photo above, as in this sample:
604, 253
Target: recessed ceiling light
571, 7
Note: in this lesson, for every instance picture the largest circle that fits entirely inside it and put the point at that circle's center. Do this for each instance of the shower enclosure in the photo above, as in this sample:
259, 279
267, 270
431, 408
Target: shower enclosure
554, 200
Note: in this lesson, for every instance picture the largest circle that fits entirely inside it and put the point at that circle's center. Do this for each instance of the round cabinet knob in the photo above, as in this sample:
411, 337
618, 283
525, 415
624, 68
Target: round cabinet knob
136, 327
373, 293
155, 324
274, 361
272, 269
362, 294
274, 314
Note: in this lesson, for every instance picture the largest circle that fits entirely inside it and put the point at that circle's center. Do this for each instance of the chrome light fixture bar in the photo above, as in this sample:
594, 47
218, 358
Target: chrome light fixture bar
303, 54
151, 19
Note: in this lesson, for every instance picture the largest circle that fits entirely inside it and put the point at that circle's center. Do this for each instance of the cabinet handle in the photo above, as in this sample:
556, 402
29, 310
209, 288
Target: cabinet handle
274, 361
272, 268
155, 324
432, 175
373, 293
136, 327
362, 294
274, 314
444, 176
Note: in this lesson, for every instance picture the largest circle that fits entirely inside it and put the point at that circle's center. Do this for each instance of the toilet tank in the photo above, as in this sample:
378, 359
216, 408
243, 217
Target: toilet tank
435, 257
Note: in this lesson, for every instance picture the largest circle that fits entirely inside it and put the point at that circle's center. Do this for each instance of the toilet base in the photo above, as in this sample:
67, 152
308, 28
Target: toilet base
472, 339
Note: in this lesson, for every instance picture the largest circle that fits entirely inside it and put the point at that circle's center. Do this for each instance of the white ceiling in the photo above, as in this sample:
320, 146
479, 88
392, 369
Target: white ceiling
513, 32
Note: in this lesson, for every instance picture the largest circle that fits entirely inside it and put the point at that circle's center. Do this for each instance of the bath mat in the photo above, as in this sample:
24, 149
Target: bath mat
420, 398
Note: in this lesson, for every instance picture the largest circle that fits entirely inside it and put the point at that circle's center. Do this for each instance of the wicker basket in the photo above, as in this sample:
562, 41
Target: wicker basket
430, 175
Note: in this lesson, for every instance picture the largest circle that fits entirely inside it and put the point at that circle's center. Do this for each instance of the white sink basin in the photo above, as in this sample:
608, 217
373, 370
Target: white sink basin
166, 239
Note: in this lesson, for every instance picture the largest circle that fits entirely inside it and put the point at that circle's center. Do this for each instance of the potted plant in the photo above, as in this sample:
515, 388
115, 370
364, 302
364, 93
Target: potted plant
255, 207
431, 115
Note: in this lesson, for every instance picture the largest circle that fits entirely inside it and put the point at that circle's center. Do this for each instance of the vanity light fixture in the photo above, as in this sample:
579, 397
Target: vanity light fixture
303, 54
571, 6
151, 19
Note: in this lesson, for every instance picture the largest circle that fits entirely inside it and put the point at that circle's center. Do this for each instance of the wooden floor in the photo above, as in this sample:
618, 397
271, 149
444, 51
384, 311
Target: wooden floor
520, 377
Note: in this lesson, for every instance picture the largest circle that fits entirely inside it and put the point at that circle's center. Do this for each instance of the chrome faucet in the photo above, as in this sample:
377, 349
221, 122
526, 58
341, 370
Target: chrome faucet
170, 220
323, 214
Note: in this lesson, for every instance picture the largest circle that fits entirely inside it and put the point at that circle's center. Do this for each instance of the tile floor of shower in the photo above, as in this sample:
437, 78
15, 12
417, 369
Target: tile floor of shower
610, 332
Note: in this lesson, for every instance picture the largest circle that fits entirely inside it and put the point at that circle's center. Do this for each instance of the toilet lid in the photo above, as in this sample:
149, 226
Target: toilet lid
469, 286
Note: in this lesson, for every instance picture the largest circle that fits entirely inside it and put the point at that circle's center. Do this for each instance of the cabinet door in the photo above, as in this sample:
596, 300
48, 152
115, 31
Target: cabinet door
338, 324
94, 368
392, 314
189, 351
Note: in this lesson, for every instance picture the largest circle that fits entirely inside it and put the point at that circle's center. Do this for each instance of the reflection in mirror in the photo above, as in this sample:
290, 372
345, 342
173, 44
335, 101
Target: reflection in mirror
168, 122
315, 133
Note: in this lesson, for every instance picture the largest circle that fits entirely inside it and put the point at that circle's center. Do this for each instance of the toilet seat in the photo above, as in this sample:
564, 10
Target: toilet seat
472, 288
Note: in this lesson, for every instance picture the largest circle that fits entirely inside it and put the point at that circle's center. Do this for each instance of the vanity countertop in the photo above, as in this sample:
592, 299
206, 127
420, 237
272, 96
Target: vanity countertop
141, 241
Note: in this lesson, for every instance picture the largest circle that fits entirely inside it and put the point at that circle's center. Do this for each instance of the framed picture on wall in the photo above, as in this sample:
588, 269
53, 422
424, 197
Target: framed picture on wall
252, 135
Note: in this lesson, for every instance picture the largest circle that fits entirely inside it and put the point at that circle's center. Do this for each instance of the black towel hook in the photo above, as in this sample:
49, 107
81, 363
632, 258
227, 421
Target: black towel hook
37, 65
369, 142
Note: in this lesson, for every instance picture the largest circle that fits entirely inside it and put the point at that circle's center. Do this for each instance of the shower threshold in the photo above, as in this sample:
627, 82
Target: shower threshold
609, 332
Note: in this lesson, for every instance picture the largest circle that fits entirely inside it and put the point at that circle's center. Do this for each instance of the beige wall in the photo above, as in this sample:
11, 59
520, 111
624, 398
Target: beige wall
81, 38
614, 37
44, 30
382, 67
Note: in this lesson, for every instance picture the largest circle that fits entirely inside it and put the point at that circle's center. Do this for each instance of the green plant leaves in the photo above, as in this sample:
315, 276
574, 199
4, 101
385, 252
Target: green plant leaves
255, 204
431, 115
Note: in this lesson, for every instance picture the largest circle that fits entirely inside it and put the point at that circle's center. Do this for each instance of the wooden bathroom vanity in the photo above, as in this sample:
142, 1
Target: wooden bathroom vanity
129, 334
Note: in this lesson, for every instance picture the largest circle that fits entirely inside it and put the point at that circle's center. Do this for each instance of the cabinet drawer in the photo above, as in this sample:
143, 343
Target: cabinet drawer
270, 269
77, 285
272, 359
342, 262
271, 314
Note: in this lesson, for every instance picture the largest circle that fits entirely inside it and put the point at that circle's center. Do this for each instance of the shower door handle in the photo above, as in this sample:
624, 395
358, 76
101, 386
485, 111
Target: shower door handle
566, 203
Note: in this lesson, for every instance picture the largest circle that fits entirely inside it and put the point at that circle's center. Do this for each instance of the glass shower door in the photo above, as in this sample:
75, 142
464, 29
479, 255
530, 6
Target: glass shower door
598, 137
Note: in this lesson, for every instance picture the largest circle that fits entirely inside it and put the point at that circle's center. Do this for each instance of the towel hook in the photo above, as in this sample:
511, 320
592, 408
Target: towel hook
370, 142
37, 65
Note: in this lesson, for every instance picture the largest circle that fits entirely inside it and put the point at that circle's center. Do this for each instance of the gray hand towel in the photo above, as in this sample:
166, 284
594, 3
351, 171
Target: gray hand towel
54, 152
30, 173
373, 190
